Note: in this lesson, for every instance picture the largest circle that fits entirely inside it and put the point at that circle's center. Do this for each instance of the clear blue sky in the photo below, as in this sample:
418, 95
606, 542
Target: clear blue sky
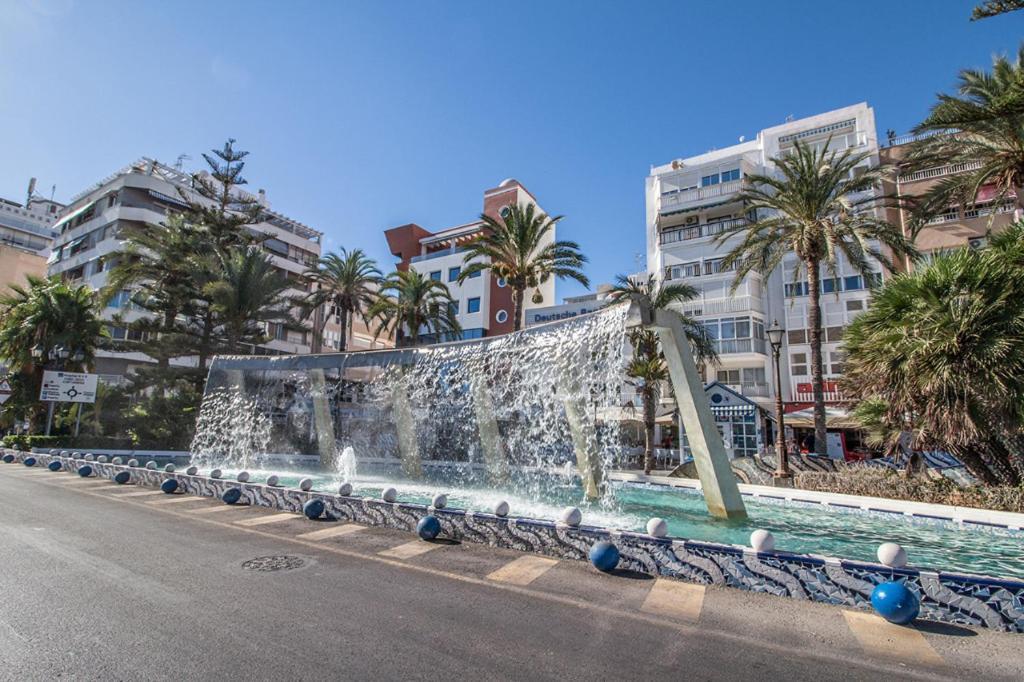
364, 115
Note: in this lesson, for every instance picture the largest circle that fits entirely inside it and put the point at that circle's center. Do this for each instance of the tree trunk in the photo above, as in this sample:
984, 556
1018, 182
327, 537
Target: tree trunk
205, 339
517, 309
996, 457
974, 464
647, 396
344, 314
817, 380
164, 360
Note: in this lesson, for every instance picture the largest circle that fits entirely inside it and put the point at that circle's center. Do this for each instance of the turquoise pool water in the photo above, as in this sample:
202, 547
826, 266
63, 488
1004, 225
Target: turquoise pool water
798, 527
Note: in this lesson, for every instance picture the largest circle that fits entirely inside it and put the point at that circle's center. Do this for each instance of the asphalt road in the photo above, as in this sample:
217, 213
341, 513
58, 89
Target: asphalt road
98, 585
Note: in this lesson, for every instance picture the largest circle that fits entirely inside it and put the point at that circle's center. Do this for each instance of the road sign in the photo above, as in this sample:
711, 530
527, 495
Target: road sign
68, 387
5, 391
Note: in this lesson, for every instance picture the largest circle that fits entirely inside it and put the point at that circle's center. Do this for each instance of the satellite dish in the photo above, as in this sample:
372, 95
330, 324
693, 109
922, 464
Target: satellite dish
742, 138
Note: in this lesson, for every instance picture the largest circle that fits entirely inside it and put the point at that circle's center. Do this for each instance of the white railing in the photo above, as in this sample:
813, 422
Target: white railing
717, 306
679, 197
725, 346
686, 233
940, 171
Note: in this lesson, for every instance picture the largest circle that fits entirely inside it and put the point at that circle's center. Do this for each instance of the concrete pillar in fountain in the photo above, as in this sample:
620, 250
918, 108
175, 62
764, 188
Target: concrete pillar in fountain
405, 426
495, 457
584, 441
323, 421
721, 493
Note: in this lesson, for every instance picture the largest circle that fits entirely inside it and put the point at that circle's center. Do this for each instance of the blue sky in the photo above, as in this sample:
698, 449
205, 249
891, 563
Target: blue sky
364, 115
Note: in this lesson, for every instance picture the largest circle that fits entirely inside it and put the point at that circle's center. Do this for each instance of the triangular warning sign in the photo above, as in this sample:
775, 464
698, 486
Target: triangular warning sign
4, 386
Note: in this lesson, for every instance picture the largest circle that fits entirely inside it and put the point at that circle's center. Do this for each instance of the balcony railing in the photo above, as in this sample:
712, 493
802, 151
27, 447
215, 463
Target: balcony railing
717, 306
751, 389
681, 234
437, 254
939, 172
682, 197
726, 346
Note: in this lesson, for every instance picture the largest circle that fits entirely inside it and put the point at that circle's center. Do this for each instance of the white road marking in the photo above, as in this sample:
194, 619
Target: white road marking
334, 531
178, 499
675, 599
524, 570
409, 549
138, 493
895, 642
218, 508
263, 520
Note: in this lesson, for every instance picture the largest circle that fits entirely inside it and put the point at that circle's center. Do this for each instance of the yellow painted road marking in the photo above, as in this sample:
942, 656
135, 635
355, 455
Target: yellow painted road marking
675, 599
80, 479
261, 520
178, 499
523, 570
334, 531
895, 642
140, 493
218, 508
409, 549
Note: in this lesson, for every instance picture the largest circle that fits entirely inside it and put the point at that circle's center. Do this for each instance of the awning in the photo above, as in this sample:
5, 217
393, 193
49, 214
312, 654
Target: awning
835, 418
74, 214
167, 199
701, 207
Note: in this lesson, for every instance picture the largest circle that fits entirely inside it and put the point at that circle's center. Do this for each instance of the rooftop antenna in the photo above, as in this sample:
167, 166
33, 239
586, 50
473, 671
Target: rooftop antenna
53, 191
181, 159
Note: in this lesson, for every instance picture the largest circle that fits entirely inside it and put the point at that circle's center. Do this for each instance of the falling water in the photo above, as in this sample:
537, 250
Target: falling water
516, 412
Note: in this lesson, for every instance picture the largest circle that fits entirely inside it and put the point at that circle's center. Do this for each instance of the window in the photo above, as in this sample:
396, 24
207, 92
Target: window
501, 316
730, 175
854, 305
436, 275
473, 305
709, 180
853, 283
796, 289
828, 285
754, 375
453, 307
837, 359
453, 273
477, 333
501, 282
729, 376
474, 274
798, 364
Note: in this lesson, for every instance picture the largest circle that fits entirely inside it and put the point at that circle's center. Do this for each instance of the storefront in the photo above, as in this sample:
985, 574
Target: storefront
739, 419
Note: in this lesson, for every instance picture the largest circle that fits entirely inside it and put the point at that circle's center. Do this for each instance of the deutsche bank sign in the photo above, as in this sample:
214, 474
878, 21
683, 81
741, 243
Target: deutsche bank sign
68, 387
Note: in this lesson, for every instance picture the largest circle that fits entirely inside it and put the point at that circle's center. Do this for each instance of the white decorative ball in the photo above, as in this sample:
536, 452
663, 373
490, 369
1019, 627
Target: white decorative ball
572, 516
102, 459
273, 481
345, 489
117, 460
440, 501
90, 457
389, 495
242, 477
762, 540
657, 527
306, 484
216, 473
892, 555
133, 462
169, 468
501, 509
151, 465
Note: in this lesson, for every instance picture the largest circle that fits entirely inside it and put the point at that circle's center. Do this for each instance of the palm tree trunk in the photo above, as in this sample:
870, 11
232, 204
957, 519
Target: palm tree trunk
517, 308
996, 457
817, 380
205, 339
974, 464
647, 396
345, 315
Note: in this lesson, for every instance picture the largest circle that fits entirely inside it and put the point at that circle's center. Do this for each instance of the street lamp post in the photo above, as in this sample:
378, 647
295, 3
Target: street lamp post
782, 474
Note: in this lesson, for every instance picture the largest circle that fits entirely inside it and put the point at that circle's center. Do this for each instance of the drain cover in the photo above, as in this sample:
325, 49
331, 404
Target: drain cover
283, 562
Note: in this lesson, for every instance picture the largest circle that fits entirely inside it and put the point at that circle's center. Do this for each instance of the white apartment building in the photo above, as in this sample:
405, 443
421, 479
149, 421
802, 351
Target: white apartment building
147, 192
28, 227
690, 201
571, 306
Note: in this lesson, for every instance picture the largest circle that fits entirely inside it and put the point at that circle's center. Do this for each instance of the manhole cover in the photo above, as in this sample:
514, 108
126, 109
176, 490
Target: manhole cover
283, 562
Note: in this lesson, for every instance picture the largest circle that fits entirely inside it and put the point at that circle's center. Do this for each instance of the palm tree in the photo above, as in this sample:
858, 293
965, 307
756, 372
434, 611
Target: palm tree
943, 347
46, 313
818, 207
520, 249
981, 127
410, 302
348, 281
250, 294
648, 366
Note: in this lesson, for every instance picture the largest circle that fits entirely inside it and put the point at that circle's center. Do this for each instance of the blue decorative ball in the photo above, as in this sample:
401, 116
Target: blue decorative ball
169, 486
231, 495
429, 527
85, 471
8, 458
53, 466
122, 477
604, 555
30, 461
895, 602
313, 509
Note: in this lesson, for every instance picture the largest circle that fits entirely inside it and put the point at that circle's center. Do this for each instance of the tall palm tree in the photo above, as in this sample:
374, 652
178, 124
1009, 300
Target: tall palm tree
943, 348
519, 249
250, 294
982, 127
647, 366
348, 281
818, 206
46, 313
410, 302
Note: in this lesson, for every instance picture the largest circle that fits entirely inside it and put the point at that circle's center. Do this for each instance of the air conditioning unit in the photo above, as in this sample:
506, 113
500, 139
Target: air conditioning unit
976, 243
692, 220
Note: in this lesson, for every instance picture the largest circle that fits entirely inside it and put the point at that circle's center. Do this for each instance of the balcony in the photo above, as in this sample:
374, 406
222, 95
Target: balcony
718, 306
682, 234
437, 254
682, 199
751, 389
938, 172
727, 346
